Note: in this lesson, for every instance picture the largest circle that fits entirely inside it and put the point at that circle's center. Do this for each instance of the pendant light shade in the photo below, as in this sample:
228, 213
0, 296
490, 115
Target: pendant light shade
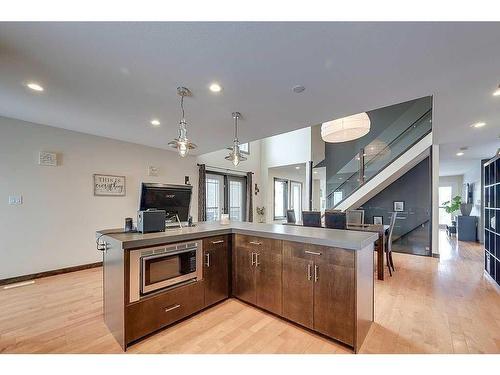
235, 155
346, 128
182, 142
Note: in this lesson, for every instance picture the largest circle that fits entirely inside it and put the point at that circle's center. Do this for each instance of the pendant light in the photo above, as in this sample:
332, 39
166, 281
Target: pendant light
346, 128
182, 142
235, 155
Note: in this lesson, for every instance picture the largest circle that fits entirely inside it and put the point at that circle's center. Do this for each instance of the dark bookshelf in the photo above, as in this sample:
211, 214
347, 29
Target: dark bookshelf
492, 218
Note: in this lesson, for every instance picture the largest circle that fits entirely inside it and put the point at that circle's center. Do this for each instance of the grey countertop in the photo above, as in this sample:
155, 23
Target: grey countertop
346, 239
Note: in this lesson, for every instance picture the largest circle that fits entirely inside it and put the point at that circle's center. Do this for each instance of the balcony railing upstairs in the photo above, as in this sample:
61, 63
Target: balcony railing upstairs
373, 158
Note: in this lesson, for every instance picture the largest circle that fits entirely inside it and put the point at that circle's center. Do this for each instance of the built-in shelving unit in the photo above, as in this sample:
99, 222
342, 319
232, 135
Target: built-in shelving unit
491, 218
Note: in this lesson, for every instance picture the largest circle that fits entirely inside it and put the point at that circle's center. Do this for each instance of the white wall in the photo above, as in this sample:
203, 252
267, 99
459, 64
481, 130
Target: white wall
281, 150
55, 226
252, 164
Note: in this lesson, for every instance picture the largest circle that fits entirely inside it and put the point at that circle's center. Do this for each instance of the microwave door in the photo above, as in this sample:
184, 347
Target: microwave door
164, 270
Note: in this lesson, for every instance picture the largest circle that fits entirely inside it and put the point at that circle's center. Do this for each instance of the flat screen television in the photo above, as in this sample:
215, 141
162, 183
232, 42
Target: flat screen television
174, 199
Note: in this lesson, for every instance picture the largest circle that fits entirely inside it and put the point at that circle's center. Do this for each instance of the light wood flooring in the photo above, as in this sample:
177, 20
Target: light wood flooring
430, 305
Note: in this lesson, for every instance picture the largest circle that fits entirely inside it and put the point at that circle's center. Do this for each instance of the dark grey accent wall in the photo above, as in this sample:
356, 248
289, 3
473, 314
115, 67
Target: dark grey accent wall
414, 188
389, 121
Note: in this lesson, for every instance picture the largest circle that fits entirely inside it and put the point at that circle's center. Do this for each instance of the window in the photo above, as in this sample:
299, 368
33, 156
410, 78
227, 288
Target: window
296, 198
245, 148
236, 197
226, 194
444, 196
280, 198
214, 198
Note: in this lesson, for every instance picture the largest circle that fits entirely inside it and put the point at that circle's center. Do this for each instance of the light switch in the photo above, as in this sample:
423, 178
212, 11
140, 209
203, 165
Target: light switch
153, 171
15, 199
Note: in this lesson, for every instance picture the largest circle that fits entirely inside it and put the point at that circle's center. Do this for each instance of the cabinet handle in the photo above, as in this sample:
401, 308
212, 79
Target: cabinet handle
312, 252
257, 260
255, 243
309, 276
172, 308
316, 273
253, 262
216, 242
207, 255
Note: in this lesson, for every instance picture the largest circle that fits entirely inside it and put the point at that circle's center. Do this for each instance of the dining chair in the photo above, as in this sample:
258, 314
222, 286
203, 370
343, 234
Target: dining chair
388, 250
311, 218
335, 220
290, 217
355, 216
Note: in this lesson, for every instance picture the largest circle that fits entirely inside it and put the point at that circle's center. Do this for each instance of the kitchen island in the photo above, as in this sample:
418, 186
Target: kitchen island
321, 279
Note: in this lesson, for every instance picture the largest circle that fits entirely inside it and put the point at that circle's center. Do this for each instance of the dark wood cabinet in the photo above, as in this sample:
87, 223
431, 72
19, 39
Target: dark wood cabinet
244, 272
297, 284
326, 289
215, 269
268, 269
257, 273
151, 314
319, 289
334, 293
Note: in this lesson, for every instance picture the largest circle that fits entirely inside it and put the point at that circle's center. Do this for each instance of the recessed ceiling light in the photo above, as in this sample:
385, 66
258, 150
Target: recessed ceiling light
478, 125
34, 86
297, 167
315, 172
155, 122
497, 91
460, 153
215, 87
298, 89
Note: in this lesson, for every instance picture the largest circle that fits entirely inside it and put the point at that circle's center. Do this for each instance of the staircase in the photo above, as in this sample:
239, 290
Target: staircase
393, 153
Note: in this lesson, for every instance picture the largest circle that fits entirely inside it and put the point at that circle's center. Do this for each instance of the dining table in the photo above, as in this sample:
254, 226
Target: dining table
380, 244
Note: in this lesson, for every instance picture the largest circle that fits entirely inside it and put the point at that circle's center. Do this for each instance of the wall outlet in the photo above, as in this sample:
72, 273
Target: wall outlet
15, 199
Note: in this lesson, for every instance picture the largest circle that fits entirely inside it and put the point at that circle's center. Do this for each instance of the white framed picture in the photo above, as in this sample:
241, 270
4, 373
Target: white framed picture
399, 206
109, 185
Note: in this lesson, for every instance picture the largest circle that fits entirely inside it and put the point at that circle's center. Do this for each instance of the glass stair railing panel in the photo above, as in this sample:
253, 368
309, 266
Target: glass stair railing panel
379, 153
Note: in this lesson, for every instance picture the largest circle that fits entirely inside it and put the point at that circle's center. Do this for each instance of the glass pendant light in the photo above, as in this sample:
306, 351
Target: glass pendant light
235, 155
182, 142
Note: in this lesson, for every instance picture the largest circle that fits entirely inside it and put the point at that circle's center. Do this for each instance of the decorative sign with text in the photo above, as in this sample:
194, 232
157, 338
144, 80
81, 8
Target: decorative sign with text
109, 185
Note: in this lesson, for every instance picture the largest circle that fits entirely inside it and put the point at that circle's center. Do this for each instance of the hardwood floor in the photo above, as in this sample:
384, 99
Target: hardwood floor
430, 305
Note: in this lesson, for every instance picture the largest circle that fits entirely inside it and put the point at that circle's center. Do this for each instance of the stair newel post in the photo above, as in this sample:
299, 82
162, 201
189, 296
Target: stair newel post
361, 168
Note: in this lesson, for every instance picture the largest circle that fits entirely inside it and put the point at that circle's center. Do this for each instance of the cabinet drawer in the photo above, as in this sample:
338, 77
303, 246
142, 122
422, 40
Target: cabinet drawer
255, 243
154, 313
331, 255
216, 242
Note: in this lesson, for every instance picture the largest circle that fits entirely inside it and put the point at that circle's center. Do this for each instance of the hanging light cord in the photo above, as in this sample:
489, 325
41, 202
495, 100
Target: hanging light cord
182, 106
236, 128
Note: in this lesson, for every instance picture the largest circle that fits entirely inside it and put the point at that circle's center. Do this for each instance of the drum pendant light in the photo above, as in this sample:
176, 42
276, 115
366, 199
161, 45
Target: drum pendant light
346, 128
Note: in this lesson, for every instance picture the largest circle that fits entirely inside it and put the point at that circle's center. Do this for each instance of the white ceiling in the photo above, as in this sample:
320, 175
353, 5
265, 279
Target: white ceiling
110, 79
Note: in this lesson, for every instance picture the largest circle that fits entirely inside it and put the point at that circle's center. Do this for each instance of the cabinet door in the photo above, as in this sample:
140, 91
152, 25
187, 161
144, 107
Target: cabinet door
244, 271
268, 275
334, 293
297, 284
215, 269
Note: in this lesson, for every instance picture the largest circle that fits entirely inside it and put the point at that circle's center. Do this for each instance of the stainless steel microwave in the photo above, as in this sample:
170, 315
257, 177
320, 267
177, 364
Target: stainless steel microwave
154, 269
